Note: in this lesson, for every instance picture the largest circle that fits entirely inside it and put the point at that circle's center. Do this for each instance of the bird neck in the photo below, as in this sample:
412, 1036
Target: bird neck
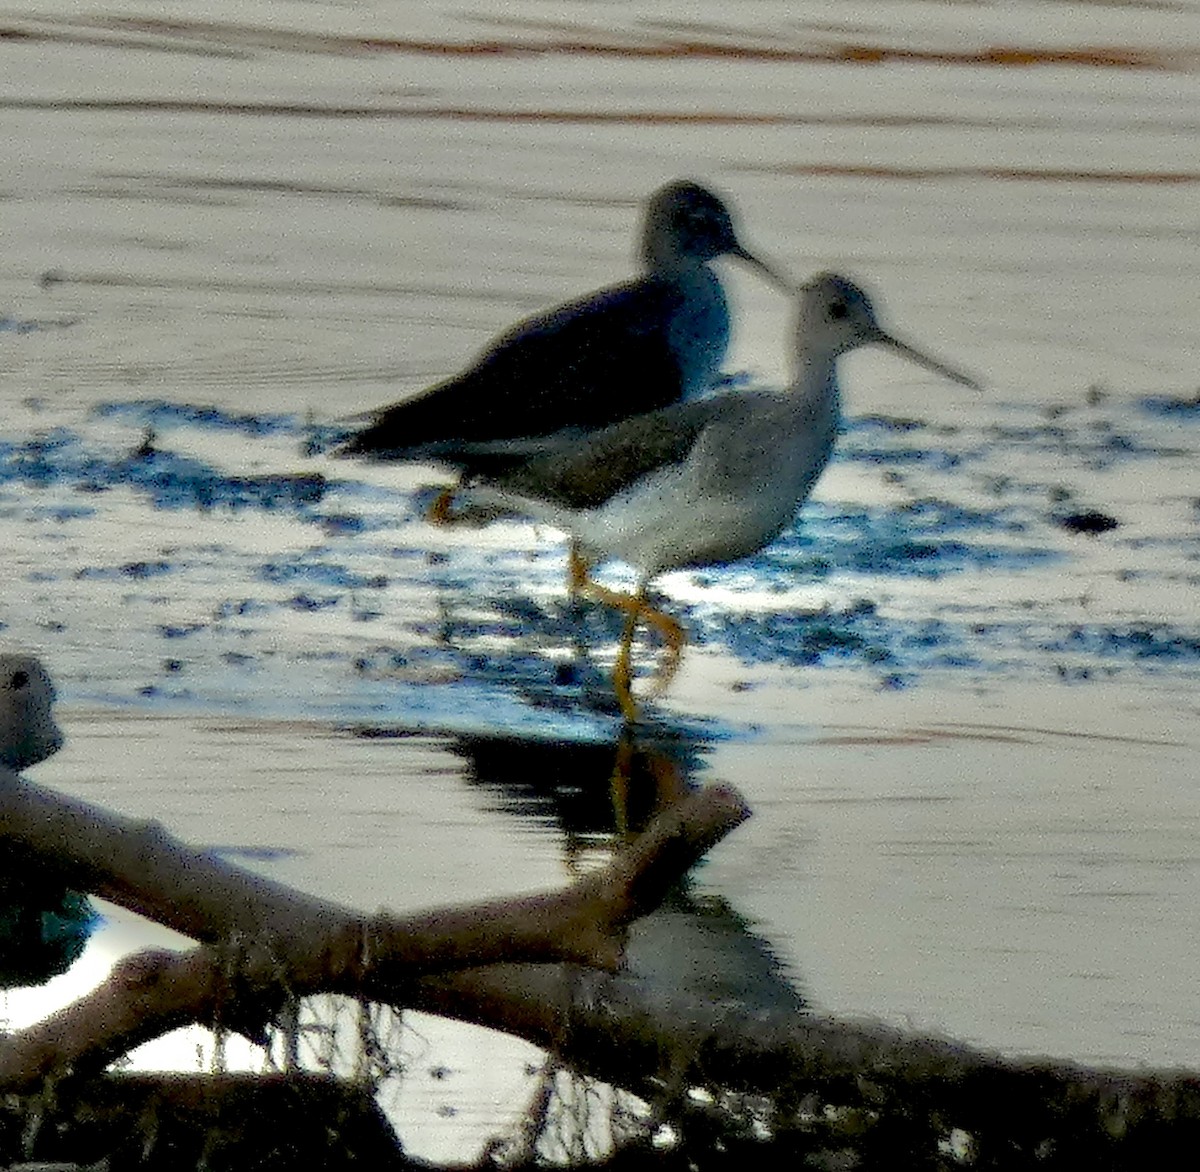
816, 383
663, 259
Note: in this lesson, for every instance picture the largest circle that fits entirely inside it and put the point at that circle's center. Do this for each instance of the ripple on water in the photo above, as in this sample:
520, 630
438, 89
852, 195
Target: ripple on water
161, 415
170, 480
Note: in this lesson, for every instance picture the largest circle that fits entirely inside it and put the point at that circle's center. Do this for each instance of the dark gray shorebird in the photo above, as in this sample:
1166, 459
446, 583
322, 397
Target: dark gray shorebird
620, 351
696, 484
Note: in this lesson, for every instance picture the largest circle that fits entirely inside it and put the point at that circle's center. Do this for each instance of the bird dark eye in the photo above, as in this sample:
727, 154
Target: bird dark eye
838, 310
20, 679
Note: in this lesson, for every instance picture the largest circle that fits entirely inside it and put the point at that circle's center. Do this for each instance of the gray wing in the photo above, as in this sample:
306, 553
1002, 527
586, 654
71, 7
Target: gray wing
584, 365
583, 471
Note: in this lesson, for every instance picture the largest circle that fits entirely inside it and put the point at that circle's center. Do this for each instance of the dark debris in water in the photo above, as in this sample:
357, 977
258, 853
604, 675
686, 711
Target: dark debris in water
1141, 641
902, 651
154, 415
307, 602
1095, 446
311, 571
341, 524
889, 423
805, 638
33, 325
258, 854
1091, 522
133, 570
924, 539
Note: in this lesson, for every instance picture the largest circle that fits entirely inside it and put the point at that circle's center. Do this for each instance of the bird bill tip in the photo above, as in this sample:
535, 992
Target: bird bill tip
929, 363
770, 272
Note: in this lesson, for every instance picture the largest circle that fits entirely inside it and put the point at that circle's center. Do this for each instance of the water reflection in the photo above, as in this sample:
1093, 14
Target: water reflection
571, 785
697, 945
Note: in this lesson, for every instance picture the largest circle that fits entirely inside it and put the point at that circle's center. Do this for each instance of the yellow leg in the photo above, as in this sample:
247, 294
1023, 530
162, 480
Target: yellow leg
577, 571
675, 638
440, 511
635, 608
618, 785
623, 669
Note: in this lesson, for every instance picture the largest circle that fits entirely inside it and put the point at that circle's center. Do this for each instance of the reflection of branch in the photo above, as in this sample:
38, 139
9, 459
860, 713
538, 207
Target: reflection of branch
604, 1028
264, 941
519, 1149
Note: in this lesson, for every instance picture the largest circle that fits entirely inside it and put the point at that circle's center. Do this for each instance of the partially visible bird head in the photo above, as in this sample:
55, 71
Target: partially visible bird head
28, 732
688, 224
836, 315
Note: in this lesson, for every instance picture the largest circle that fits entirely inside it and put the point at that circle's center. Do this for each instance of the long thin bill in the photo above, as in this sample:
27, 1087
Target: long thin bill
915, 355
767, 271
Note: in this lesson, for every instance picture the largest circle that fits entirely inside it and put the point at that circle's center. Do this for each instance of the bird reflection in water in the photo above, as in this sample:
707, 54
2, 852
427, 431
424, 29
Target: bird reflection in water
696, 945
597, 793
543, 658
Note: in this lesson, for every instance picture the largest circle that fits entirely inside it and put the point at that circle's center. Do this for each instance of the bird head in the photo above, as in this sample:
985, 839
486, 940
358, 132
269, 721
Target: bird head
836, 316
28, 732
688, 224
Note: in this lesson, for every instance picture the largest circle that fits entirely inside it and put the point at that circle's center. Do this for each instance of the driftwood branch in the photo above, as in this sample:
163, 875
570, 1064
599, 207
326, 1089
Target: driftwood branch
828, 1082
264, 942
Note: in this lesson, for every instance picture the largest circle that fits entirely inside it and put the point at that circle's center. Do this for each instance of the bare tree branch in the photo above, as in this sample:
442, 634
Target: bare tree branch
888, 1080
265, 941
819, 1076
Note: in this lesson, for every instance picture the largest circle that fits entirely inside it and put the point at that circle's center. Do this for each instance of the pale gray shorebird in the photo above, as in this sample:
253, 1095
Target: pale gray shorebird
44, 926
700, 483
620, 351
28, 732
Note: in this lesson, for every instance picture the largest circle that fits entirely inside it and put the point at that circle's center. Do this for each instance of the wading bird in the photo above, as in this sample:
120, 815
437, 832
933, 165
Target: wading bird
620, 351
701, 483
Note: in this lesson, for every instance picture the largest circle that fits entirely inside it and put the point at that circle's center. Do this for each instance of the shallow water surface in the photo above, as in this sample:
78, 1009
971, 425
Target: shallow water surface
965, 723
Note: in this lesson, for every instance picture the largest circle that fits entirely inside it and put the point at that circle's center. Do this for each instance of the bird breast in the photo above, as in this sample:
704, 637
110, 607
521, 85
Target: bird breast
735, 493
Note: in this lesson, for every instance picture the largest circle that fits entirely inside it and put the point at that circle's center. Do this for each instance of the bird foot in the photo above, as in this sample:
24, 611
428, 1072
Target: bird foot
674, 637
441, 511
577, 572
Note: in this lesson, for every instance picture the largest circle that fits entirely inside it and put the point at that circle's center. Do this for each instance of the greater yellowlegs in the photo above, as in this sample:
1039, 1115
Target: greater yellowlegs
620, 351
699, 483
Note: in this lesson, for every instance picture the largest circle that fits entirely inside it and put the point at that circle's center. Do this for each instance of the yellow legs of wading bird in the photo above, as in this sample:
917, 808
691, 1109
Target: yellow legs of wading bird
637, 608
